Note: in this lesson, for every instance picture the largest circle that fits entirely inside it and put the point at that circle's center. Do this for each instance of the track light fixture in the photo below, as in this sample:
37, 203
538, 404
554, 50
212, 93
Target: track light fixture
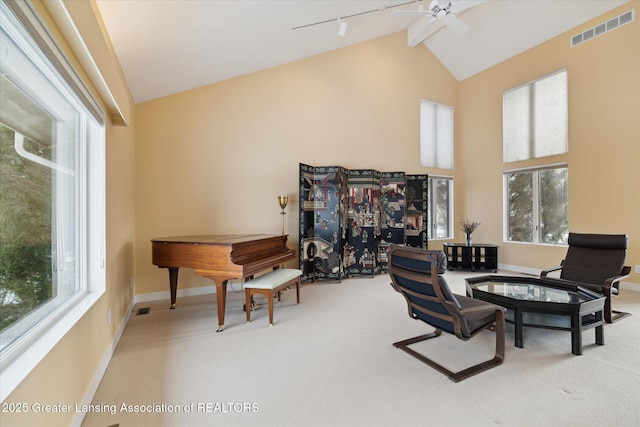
342, 28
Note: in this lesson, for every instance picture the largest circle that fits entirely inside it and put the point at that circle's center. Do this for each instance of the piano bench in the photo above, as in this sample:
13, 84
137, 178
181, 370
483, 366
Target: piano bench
271, 283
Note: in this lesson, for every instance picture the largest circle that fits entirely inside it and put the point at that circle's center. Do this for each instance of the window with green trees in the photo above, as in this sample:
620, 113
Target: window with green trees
537, 205
52, 163
440, 203
535, 124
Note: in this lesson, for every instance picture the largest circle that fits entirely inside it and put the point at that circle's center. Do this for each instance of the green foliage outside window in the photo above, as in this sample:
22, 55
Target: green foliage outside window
25, 230
537, 206
442, 208
520, 199
554, 215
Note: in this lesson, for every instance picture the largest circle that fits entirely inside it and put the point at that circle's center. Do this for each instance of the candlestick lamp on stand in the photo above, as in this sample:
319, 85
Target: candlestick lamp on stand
283, 200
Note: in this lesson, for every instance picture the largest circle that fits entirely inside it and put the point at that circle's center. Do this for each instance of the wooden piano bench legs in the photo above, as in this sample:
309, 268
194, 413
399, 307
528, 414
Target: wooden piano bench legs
270, 284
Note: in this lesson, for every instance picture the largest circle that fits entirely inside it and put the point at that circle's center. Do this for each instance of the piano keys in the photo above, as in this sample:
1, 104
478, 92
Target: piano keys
220, 258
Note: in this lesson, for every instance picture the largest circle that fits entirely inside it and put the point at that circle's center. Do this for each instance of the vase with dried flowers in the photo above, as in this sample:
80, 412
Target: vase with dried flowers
468, 227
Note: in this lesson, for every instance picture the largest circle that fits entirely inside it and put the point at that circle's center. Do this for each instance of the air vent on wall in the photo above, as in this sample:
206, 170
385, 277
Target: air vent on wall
605, 27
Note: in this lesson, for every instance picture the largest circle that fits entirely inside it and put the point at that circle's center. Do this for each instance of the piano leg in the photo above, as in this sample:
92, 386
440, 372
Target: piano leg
221, 297
221, 294
173, 284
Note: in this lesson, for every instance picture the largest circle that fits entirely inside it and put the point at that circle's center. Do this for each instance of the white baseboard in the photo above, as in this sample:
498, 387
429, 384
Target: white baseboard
102, 368
166, 295
232, 285
626, 286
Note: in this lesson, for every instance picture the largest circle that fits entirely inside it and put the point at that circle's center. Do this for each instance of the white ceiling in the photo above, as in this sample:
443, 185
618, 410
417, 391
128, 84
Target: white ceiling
170, 46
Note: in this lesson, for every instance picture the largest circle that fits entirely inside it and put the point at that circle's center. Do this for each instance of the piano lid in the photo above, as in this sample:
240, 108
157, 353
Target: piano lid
217, 239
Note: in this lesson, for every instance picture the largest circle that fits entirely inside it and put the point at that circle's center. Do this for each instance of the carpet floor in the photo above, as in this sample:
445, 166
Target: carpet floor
329, 361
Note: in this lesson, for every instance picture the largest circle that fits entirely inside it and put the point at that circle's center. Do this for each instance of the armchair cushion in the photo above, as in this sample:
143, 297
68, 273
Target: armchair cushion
594, 258
419, 288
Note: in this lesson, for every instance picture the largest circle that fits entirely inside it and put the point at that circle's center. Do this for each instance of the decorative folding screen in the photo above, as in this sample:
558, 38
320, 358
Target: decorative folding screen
348, 218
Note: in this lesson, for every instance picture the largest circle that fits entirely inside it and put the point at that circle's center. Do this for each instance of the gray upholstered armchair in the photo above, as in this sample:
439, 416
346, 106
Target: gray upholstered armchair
596, 261
416, 274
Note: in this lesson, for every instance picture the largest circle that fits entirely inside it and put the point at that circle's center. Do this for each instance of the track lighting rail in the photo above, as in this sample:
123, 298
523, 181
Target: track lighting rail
380, 9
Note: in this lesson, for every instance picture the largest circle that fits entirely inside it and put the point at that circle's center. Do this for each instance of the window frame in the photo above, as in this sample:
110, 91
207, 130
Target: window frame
21, 356
536, 202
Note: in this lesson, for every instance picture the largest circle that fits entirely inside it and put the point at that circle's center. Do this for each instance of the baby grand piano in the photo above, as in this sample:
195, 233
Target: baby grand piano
220, 258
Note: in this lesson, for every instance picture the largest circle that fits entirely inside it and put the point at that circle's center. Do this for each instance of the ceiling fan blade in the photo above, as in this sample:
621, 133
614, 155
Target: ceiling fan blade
419, 12
461, 5
456, 25
421, 29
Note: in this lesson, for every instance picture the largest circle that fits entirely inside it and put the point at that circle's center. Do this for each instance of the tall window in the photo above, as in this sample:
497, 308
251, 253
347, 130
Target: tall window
536, 205
535, 119
436, 151
436, 135
51, 195
440, 202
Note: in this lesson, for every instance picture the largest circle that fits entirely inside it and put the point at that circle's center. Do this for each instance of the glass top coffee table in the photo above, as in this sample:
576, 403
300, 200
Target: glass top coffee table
542, 303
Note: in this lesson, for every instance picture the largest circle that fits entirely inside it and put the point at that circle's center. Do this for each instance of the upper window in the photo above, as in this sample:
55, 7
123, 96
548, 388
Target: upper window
436, 135
51, 198
536, 205
535, 118
440, 207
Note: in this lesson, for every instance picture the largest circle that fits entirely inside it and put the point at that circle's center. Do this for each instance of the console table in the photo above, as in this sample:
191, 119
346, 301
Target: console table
477, 256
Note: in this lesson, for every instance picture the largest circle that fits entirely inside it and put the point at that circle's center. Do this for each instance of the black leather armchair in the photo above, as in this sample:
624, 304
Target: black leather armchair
596, 261
416, 274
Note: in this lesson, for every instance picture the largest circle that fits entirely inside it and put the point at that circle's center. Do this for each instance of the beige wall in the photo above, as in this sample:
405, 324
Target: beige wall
213, 160
604, 140
65, 374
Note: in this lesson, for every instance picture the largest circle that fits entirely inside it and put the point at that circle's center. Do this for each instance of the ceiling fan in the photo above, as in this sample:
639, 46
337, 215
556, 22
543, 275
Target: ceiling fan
440, 12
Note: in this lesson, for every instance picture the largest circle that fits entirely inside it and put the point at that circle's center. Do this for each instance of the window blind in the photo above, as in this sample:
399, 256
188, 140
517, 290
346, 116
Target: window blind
535, 119
436, 135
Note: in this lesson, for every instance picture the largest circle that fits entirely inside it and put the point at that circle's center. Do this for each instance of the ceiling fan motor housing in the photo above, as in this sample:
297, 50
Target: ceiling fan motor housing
440, 6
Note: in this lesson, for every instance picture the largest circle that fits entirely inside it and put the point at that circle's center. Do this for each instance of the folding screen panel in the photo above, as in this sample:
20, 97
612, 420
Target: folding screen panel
364, 221
323, 202
392, 213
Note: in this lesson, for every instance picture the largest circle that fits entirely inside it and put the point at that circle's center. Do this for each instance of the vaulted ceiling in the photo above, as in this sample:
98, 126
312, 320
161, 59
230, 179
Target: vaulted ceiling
170, 46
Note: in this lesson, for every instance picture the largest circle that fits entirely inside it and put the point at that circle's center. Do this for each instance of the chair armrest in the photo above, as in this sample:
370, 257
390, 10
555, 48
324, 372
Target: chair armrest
612, 282
544, 272
626, 272
487, 307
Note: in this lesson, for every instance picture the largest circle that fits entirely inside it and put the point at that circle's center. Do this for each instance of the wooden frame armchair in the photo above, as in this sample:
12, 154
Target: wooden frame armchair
416, 274
596, 262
